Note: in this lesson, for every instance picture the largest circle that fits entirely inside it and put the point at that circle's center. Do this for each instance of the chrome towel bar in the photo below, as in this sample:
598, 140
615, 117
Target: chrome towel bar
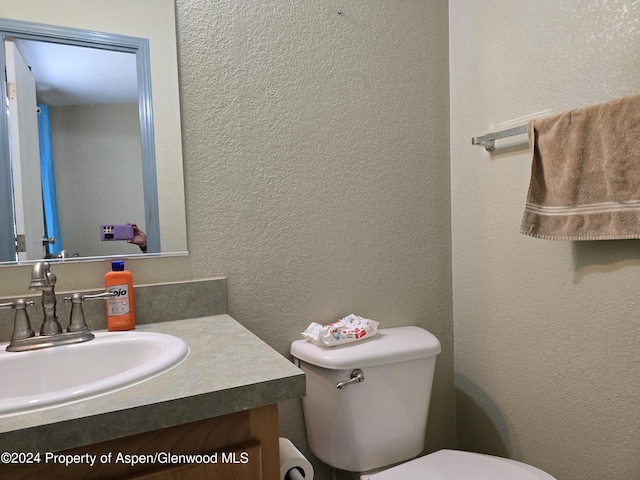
488, 141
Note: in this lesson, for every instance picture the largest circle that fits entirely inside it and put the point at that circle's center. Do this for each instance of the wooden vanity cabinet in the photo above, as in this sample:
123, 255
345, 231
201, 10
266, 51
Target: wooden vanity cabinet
245, 444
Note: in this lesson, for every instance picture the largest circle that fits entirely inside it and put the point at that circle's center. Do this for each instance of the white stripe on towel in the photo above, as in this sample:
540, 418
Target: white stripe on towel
584, 209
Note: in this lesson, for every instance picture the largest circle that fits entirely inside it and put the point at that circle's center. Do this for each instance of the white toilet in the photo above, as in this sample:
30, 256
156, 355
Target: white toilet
366, 411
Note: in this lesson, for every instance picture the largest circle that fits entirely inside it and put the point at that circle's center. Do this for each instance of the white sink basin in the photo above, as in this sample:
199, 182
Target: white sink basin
111, 361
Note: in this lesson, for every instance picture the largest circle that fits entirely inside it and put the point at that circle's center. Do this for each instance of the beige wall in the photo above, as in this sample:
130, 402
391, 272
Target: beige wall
317, 172
317, 168
546, 333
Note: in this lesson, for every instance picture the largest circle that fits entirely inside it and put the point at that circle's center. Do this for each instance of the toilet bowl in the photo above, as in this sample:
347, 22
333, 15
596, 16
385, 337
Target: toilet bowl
366, 410
458, 465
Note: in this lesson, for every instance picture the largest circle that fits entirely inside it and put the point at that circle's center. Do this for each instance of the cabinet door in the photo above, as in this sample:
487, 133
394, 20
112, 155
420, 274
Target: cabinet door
242, 462
246, 443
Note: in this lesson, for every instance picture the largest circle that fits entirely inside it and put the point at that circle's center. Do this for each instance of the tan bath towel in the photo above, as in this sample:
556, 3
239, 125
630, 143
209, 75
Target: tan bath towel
585, 177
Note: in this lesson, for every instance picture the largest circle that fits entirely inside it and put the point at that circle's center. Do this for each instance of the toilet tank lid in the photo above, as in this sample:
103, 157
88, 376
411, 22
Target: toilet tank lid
389, 345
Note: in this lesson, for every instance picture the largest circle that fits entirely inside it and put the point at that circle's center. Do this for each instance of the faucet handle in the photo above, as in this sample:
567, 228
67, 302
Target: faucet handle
77, 322
21, 324
98, 296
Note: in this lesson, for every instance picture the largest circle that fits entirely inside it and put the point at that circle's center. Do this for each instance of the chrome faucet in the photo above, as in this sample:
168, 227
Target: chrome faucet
51, 333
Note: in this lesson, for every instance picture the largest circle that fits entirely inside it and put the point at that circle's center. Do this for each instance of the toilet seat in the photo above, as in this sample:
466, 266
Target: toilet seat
457, 465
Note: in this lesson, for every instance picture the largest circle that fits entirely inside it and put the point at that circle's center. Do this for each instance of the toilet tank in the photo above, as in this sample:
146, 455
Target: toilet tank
379, 421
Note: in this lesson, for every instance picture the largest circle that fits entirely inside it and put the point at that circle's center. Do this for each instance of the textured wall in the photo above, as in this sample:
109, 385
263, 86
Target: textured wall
546, 333
316, 160
317, 167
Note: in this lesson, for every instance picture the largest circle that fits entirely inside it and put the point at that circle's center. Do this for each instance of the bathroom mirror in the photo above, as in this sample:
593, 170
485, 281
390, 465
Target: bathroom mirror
108, 165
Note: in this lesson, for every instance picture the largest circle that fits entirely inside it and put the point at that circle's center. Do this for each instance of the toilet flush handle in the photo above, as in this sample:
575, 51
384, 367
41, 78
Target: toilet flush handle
357, 376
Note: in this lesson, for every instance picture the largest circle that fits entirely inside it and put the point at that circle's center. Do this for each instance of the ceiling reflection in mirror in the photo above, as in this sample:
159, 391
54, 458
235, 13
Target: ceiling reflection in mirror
94, 129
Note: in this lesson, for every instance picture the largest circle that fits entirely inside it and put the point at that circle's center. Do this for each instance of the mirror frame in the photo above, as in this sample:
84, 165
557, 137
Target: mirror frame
91, 39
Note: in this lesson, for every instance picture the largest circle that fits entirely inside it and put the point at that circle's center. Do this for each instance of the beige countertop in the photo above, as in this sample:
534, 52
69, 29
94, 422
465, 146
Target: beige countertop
228, 369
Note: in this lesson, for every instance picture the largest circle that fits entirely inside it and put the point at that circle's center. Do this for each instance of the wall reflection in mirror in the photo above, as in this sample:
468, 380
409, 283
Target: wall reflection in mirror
78, 154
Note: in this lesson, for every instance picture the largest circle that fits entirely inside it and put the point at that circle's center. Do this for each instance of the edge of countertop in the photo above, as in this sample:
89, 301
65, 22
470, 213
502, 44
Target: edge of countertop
163, 401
